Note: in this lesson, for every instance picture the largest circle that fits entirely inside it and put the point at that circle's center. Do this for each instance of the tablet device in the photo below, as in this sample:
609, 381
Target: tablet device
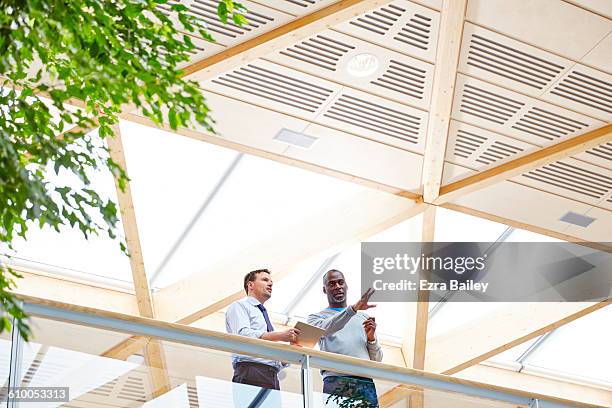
309, 335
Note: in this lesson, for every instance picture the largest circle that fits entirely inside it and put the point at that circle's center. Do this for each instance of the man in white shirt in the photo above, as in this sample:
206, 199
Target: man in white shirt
248, 317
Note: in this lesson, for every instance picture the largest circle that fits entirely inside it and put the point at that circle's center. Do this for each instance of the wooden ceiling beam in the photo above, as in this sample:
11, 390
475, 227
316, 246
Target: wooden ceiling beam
154, 355
524, 164
445, 74
278, 38
514, 324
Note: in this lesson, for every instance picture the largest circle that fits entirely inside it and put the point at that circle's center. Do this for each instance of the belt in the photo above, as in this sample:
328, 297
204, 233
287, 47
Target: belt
261, 366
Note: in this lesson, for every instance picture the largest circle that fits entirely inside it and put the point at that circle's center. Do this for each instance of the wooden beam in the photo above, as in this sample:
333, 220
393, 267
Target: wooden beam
458, 349
130, 228
223, 142
447, 60
527, 227
79, 292
354, 219
279, 38
397, 394
525, 163
422, 311
154, 356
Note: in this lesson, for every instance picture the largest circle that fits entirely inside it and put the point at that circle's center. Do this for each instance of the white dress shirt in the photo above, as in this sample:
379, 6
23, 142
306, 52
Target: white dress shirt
244, 318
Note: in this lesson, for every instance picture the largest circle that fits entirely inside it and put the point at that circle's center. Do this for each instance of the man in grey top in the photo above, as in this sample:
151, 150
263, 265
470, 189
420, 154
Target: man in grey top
350, 332
248, 317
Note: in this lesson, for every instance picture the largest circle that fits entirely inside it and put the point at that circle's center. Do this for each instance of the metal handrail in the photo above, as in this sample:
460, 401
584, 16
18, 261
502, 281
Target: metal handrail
261, 348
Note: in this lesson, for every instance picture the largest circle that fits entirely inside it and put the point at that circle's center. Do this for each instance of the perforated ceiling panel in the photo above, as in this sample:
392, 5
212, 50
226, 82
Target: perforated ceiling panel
502, 60
399, 25
338, 57
586, 90
477, 148
260, 19
600, 155
272, 86
302, 95
573, 179
377, 118
509, 113
203, 50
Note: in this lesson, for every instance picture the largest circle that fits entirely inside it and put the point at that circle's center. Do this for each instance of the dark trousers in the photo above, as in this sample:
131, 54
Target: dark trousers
358, 391
257, 374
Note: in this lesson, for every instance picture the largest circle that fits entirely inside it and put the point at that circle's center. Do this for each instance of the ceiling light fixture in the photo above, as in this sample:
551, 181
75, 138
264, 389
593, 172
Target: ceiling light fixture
362, 65
295, 138
577, 219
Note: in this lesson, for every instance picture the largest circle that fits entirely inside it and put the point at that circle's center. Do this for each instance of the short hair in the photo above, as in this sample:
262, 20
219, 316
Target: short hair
330, 271
251, 276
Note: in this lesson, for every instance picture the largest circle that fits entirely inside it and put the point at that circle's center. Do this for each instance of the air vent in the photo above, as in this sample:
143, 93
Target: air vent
401, 25
403, 78
511, 63
301, 3
375, 118
498, 151
379, 21
274, 86
105, 390
488, 105
320, 50
603, 151
192, 394
569, 177
416, 32
548, 125
586, 90
467, 143
133, 390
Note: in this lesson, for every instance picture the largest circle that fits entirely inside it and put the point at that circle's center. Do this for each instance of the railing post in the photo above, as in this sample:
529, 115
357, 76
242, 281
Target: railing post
14, 379
307, 386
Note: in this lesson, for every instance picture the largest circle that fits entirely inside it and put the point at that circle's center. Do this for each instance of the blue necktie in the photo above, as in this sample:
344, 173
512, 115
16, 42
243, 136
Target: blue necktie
266, 317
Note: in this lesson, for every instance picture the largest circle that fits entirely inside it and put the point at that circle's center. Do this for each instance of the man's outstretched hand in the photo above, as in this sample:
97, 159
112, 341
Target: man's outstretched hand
362, 303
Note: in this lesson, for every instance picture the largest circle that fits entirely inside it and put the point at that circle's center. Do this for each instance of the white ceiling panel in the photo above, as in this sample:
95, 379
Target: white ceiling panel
256, 126
260, 20
336, 56
399, 25
478, 148
454, 172
361, 157
553, 25
513, 64
523, 204
272, 86
600, 57
573, 179
585, 90
296, 7
603, 7
512, 114
376, 118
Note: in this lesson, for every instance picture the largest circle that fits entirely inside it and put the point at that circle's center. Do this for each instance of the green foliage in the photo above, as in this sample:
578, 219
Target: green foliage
106, 54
